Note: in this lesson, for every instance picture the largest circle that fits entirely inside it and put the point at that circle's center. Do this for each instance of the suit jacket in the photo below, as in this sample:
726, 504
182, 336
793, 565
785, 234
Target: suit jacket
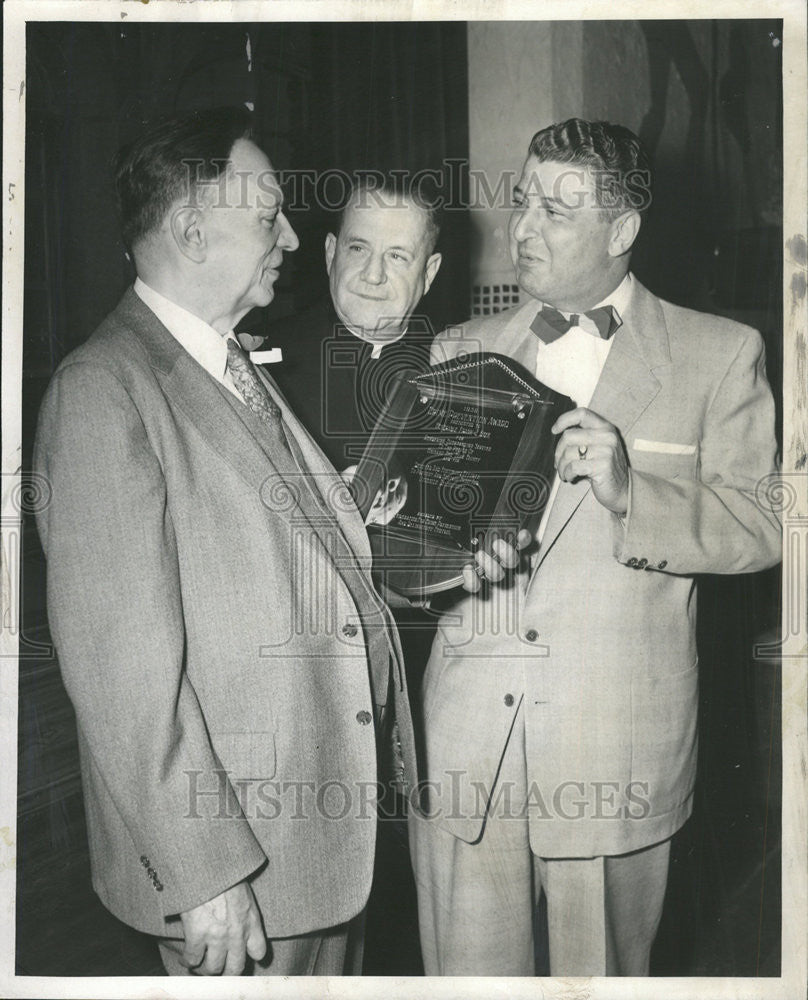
333, 384
208, 639
594, 641
338, 391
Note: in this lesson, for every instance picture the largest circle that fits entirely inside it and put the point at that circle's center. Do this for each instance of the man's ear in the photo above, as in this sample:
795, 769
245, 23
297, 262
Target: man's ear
624, 232
188, 233
330, 249
431, 269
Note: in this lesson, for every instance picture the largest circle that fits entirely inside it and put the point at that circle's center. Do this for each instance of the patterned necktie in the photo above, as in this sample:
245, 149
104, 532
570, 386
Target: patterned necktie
252, 389
255, 395
550, 324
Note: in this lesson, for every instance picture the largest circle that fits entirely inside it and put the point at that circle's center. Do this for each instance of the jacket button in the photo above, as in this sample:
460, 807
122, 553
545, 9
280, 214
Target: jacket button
631, 562
663, 564
508, 699
349, 631
531, 635
158, 886
642, 564
364, 718
144, 860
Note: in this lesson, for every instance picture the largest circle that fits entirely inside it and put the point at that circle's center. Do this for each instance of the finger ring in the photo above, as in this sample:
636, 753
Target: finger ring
582, 450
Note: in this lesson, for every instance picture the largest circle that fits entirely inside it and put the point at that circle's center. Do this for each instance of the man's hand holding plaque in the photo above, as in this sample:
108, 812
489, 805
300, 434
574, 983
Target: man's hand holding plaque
494, 567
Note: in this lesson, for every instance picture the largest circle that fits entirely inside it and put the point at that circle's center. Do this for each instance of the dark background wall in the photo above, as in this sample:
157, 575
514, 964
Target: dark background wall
336, 98
707, 97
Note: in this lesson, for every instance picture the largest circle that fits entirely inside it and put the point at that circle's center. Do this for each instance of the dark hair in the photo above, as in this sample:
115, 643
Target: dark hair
619, 162
397, 188
168, 162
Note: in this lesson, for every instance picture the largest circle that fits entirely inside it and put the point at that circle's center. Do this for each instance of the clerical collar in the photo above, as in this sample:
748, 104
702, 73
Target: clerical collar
377, 345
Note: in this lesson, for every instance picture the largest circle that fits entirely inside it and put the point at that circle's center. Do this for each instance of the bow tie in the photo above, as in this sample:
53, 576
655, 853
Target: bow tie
550, 324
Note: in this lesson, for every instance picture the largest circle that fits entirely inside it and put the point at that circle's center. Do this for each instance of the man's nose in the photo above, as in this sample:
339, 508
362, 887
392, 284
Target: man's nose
373, 272
288, 237
524, 225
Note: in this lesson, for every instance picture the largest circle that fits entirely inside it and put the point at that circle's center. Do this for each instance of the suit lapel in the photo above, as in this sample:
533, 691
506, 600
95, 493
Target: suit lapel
228, 426
327, 480
627, 384
336, 509
221, 423
517, 340
625, 388
239, 438
199, 396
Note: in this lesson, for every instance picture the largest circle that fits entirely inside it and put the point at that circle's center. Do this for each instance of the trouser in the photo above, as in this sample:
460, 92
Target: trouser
334, 951
477, 903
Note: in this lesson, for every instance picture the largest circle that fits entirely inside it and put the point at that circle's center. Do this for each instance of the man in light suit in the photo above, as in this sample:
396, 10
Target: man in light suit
561, 711
209, 590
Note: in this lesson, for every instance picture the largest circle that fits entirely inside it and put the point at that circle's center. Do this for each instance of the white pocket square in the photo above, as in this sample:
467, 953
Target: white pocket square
664, 447
270, 357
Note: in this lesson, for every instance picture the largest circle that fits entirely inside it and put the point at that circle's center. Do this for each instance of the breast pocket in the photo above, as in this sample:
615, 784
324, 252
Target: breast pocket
665, 459
246, 754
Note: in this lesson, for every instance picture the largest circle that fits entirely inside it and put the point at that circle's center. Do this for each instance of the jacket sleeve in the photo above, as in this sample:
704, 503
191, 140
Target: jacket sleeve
116, 616
721, 522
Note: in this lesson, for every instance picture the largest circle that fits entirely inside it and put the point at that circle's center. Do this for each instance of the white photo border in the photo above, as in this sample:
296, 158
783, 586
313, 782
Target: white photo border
794, 971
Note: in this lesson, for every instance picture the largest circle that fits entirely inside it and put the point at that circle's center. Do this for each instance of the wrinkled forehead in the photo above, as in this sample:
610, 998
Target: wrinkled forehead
569, 185
381, 214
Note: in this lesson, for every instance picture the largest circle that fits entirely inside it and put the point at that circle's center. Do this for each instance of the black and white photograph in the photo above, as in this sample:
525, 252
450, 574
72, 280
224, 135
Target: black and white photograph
404, 500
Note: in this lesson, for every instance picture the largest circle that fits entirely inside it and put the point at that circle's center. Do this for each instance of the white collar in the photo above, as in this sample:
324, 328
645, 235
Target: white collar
377, 345
618, 298
205, 345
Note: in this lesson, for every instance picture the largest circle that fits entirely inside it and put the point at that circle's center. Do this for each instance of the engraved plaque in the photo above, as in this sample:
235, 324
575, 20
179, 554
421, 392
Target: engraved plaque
460, 455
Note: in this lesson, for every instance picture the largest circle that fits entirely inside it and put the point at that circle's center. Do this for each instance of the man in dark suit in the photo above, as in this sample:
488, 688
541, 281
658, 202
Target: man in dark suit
561, 750
341, 356
209, 590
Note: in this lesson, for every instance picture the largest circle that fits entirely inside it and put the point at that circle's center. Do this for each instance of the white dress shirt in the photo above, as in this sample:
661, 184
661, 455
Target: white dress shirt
572, 365
205, 345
